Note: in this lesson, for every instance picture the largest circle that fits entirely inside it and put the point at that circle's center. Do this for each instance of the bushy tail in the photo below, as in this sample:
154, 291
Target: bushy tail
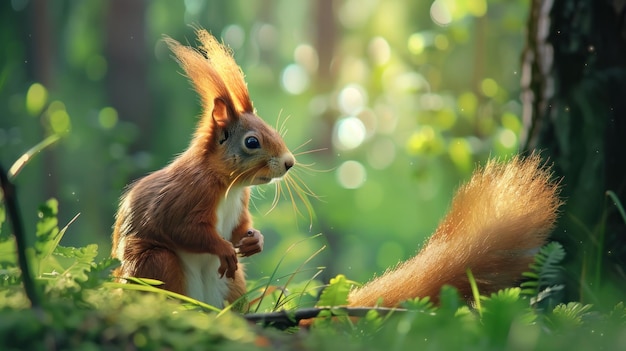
496, 223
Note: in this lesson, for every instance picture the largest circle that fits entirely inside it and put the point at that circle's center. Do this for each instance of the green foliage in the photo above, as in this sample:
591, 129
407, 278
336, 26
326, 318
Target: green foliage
440, 97
508, 322
545, 277
279, 294
83, 309
569, 315
421, 304
336, 293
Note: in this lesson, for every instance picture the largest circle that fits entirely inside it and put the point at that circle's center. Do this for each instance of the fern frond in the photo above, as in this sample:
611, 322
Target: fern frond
545, 275
568, 316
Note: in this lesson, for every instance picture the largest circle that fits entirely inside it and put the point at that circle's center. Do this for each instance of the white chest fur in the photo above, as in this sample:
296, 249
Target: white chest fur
203, 281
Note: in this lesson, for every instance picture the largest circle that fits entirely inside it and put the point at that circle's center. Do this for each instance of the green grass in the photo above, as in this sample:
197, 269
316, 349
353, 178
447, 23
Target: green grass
82, 309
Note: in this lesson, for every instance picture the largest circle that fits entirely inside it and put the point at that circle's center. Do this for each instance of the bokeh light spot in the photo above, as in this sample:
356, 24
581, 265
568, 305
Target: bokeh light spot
107, 117
36, 98
234, 36
349, 133
446, 118
467, 103
441, 42
477, 8
511, 121
352, 98
295, 80
306, 56
425, 141
379, 50
440, 13
460, 153
416, 43
507, 138
351, 174
58, 118
489, 87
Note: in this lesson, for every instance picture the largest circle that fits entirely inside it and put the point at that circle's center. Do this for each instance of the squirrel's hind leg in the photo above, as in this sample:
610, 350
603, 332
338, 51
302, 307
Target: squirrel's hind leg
155, 263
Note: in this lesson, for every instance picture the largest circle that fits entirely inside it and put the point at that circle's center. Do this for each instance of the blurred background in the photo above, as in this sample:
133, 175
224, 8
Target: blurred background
405, 99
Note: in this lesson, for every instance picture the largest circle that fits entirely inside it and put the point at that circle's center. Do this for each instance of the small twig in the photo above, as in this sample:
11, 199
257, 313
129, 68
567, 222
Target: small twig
10, 200
286, 319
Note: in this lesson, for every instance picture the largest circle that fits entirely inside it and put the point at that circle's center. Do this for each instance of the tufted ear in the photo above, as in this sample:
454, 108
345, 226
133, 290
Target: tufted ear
221, 59
217, 79
222, 114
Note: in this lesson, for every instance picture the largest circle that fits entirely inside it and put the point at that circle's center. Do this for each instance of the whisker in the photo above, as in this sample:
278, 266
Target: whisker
308, 151
276, 198
280, 125
301, 145
309, 170
254, 175
305, 189
296, 180
303, 197
295, 177
290, 193
232, 183
283, 127
278, 119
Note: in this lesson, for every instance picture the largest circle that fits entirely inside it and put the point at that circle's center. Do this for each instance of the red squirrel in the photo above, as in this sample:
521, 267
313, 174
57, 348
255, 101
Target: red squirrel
182, 224
185, 223
496, 222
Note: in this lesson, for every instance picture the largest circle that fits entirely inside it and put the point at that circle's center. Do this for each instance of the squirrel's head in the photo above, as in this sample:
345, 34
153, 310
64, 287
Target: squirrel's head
230, 135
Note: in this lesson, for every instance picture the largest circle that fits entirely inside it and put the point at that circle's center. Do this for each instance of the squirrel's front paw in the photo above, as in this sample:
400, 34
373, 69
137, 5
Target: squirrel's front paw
250, 244
228, 265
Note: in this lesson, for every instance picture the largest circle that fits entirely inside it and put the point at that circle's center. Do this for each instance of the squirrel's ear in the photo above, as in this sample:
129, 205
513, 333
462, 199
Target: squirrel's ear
221, 113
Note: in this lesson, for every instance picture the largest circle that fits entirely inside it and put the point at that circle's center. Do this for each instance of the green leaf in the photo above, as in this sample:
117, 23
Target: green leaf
47, 231
567, 316
152, 289
502, 311
421, 304
28, 156
449, 299
145, 281
8, 255
72, 266
336, 293
545, 275
618, 315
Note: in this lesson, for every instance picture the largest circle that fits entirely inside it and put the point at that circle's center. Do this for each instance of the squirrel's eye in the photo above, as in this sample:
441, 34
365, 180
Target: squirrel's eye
252, 143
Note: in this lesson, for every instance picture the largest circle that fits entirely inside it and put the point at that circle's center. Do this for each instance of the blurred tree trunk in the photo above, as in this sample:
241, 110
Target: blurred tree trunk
127, 77
574, 97
325, 40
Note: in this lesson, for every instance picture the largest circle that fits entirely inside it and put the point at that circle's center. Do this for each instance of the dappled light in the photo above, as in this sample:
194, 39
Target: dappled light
397, 100
441, 174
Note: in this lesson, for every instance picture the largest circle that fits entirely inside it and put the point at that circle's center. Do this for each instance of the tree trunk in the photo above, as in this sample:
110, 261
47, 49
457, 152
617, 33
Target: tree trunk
574, 97
127, 78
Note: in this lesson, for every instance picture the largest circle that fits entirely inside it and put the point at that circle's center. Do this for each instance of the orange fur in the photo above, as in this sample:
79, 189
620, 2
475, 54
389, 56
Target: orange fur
496, 223
171, 219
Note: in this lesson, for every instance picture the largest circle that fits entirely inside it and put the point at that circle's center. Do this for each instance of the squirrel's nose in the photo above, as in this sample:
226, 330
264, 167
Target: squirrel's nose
289, 164
290, 161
